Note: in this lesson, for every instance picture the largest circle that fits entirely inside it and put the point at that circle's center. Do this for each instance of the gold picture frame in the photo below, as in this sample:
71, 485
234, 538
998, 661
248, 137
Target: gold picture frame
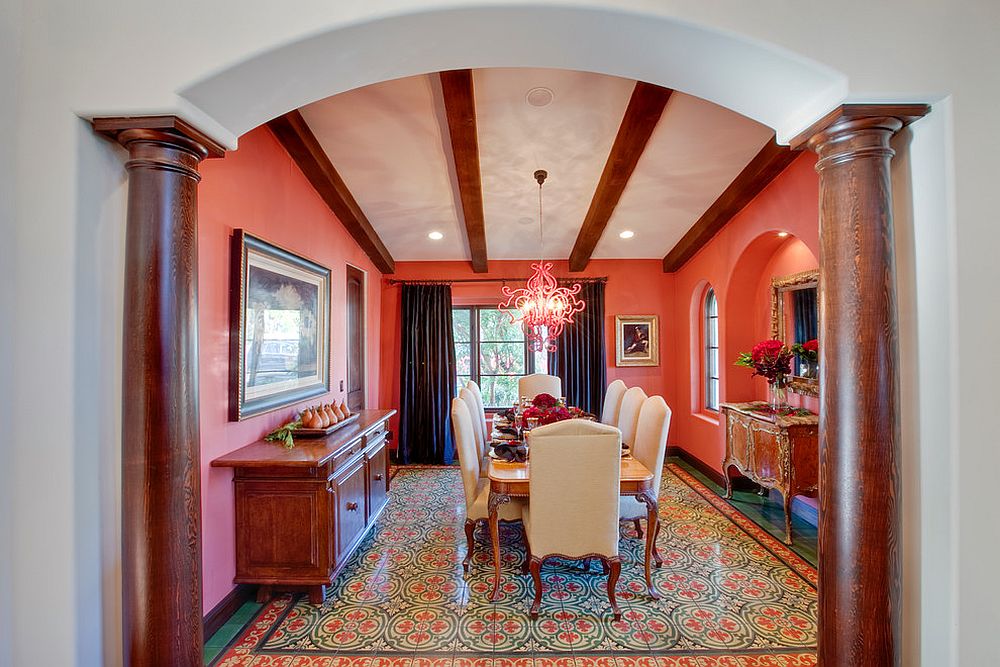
637, 340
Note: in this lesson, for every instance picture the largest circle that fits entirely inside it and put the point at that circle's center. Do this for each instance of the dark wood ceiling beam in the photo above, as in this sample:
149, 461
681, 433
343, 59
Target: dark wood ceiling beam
770, 161
641, 116
302, 145
460, 107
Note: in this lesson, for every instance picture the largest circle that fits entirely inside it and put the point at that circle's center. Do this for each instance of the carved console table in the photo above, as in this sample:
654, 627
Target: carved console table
777, 452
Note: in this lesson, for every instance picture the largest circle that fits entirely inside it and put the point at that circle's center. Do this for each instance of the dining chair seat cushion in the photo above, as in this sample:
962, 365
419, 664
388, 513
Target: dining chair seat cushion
629, 507
509, 511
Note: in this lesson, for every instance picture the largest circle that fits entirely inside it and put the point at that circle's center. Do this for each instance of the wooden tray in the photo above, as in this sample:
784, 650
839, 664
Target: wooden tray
323, 432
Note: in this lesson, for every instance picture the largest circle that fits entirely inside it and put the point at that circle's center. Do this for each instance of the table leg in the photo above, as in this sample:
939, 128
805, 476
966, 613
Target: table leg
652, 528
496, 500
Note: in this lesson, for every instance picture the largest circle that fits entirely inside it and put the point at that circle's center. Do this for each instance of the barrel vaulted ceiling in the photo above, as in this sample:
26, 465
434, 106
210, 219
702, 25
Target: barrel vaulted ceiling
394, 146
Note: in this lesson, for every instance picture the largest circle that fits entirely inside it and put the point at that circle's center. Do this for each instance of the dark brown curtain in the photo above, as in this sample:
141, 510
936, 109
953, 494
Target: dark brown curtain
426, 375
580, 357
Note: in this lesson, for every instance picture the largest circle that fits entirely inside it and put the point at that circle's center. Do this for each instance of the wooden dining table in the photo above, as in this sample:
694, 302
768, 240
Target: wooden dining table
511, 480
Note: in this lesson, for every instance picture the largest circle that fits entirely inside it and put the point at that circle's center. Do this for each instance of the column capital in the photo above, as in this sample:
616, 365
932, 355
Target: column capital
164, 129
848, 119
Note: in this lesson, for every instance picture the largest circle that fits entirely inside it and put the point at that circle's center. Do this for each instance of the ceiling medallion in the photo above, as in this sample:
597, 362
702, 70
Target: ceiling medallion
542, 307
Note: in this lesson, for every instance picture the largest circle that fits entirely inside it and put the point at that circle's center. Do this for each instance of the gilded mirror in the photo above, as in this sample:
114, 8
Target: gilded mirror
795, 320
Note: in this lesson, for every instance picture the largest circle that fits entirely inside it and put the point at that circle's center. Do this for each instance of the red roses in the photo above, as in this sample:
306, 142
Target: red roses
545, 401
769, 359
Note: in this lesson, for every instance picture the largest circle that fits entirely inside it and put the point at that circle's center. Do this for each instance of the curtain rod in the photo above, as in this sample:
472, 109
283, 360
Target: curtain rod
393, 281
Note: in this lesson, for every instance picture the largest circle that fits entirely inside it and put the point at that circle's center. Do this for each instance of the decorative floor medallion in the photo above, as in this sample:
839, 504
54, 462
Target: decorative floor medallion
731, 595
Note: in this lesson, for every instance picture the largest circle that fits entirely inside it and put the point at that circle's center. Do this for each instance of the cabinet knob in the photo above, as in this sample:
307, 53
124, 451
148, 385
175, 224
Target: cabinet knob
378, 477
352, 507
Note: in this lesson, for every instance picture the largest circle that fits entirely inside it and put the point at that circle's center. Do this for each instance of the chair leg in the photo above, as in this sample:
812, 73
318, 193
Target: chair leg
470, 541
526, 565
536, 575
604, 567
657, 558
638, 527
615, 568
586, 565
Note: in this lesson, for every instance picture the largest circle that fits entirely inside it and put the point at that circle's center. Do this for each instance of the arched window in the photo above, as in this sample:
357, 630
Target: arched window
711, 346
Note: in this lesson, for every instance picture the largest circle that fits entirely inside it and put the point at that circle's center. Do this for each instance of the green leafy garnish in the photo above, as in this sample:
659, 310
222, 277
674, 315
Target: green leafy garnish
284, 433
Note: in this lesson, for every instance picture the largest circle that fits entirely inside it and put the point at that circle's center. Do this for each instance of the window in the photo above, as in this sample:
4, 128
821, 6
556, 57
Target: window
711, 338
491, 350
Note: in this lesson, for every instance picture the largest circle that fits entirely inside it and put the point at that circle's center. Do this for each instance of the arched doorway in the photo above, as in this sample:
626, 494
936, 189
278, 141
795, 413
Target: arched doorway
786, 92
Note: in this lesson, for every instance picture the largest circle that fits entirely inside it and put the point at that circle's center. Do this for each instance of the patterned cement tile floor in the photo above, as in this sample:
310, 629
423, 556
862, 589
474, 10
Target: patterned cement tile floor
731, 595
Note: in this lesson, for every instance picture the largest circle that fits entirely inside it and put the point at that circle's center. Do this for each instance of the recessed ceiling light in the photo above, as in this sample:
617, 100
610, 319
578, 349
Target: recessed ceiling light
627, 234
435, 236
539, 96
782, 234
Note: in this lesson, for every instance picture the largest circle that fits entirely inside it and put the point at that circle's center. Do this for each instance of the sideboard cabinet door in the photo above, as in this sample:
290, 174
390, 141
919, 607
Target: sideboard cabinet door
351, 509
281, 535
378, 478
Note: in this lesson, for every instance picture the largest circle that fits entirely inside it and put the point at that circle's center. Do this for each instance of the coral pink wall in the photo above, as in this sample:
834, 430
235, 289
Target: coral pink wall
739, 264
635, 287
258, 188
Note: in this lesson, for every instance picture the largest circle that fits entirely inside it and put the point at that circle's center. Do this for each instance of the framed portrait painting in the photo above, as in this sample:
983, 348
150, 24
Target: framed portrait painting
280, 328
637, 340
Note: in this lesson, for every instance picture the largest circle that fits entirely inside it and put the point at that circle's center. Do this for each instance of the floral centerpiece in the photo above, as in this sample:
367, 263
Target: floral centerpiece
772, 360
808, 354
548, 409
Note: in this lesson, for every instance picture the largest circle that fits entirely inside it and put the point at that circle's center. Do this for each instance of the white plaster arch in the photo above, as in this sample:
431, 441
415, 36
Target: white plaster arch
762, 81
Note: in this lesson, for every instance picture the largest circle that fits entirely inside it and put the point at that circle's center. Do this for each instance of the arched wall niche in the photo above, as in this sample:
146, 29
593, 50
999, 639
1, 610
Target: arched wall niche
747, 314
764, 82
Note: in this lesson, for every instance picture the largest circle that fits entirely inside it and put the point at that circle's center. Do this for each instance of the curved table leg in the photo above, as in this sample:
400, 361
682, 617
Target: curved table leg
496, 500
648, 498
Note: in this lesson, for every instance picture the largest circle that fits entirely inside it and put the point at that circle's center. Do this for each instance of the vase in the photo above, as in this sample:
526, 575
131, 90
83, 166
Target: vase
779, 395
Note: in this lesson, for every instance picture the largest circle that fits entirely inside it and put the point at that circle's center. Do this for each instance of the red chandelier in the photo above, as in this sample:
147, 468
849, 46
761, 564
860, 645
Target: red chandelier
542, 306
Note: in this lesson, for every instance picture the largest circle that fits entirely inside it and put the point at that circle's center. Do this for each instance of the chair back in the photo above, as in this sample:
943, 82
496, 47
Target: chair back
539, 383
651, 436
465, 444
478, 429
628, 418
613, 402
574, 488
477, 392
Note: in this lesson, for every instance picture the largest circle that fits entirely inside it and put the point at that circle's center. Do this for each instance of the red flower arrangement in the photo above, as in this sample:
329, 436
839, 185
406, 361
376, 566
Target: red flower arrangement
545, 401
547, 409
770, 359
808, 350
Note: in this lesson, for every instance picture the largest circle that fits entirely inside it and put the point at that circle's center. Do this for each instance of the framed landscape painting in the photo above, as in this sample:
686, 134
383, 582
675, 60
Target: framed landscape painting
280, 328
637, 340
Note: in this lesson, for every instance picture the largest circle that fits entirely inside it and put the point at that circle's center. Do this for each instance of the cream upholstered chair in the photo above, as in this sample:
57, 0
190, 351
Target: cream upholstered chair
628, 417
613, 402
477, 392
478, 427
573, 495
649, 449
477, 489
539, 383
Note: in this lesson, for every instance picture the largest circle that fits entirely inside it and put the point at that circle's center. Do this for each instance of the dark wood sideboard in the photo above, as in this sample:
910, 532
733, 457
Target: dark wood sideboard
301, 512
777, 452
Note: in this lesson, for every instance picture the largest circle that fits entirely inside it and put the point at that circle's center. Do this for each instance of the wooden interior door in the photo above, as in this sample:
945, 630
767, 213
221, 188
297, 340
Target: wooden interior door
355, 338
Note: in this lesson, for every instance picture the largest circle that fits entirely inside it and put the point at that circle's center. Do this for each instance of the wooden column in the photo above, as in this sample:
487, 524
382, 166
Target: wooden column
859, 560
161, 460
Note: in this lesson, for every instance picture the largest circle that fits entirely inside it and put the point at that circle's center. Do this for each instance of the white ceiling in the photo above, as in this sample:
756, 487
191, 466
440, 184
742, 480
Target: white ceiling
389, 142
